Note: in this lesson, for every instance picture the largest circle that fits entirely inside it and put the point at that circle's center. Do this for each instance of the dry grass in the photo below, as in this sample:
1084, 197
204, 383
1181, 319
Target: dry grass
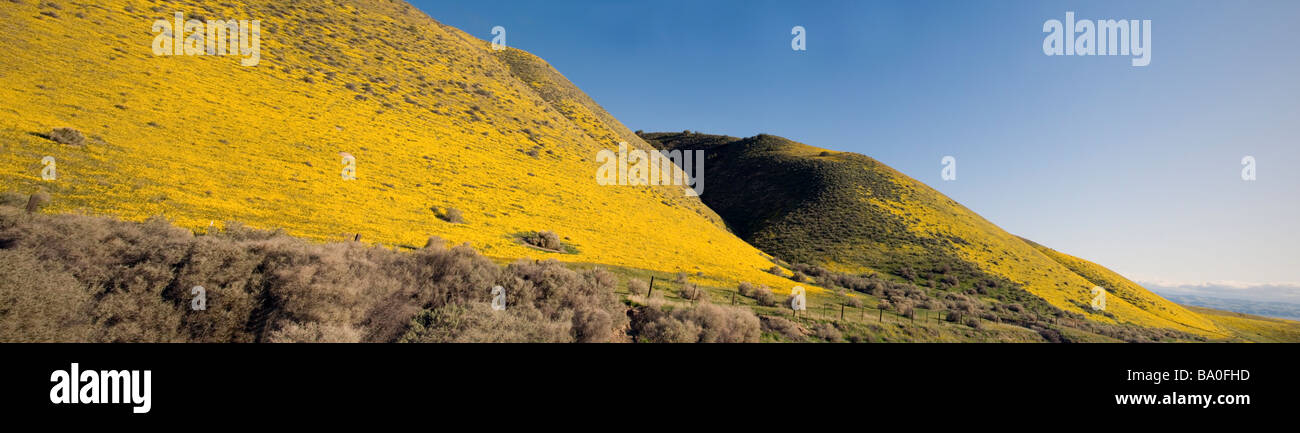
703, 323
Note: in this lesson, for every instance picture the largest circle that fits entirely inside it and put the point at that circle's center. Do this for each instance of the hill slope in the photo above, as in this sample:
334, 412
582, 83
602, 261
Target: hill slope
1248, 327
433, 116
437, 120
850, 213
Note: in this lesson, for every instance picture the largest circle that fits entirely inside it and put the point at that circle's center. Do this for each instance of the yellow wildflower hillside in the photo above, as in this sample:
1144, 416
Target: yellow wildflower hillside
435, 119
1131, 293
851, 213
933, 215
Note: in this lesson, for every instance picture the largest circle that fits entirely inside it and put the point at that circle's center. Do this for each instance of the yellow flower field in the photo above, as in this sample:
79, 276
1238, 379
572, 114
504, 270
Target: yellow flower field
438, 122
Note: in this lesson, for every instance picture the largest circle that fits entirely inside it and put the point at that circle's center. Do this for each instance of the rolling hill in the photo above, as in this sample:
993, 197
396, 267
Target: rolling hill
435, 119
454, 139
850, 213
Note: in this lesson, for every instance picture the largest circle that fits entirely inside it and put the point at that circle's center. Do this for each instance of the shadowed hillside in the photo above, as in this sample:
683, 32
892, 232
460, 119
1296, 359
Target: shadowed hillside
850, 213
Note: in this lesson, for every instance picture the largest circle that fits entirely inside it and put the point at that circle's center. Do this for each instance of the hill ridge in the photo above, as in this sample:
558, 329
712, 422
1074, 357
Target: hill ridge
851, 213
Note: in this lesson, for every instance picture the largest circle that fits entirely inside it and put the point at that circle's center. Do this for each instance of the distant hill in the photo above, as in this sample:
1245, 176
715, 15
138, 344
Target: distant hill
850, 213
1280, 310
1246, 327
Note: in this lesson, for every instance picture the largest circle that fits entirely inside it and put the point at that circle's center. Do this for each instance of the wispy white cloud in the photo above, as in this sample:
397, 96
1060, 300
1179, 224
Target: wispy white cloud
1264, 292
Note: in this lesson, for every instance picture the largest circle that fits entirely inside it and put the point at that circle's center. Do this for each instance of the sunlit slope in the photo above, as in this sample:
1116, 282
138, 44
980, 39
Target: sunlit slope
565, 96
579, 108
1250, 327
433, 116
1119, 287
850, 212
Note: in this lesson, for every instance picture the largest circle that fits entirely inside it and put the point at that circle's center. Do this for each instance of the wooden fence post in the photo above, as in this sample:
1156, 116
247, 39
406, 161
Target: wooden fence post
652, 288
33, 203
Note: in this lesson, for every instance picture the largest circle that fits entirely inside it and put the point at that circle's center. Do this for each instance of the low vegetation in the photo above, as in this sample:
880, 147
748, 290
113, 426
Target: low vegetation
548, 241
703, 323
692, 292
762, 295
452, 215
84, 278
68, 136
637, 286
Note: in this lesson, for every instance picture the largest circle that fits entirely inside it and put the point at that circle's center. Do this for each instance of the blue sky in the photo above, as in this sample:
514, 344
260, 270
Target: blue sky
1136, 168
